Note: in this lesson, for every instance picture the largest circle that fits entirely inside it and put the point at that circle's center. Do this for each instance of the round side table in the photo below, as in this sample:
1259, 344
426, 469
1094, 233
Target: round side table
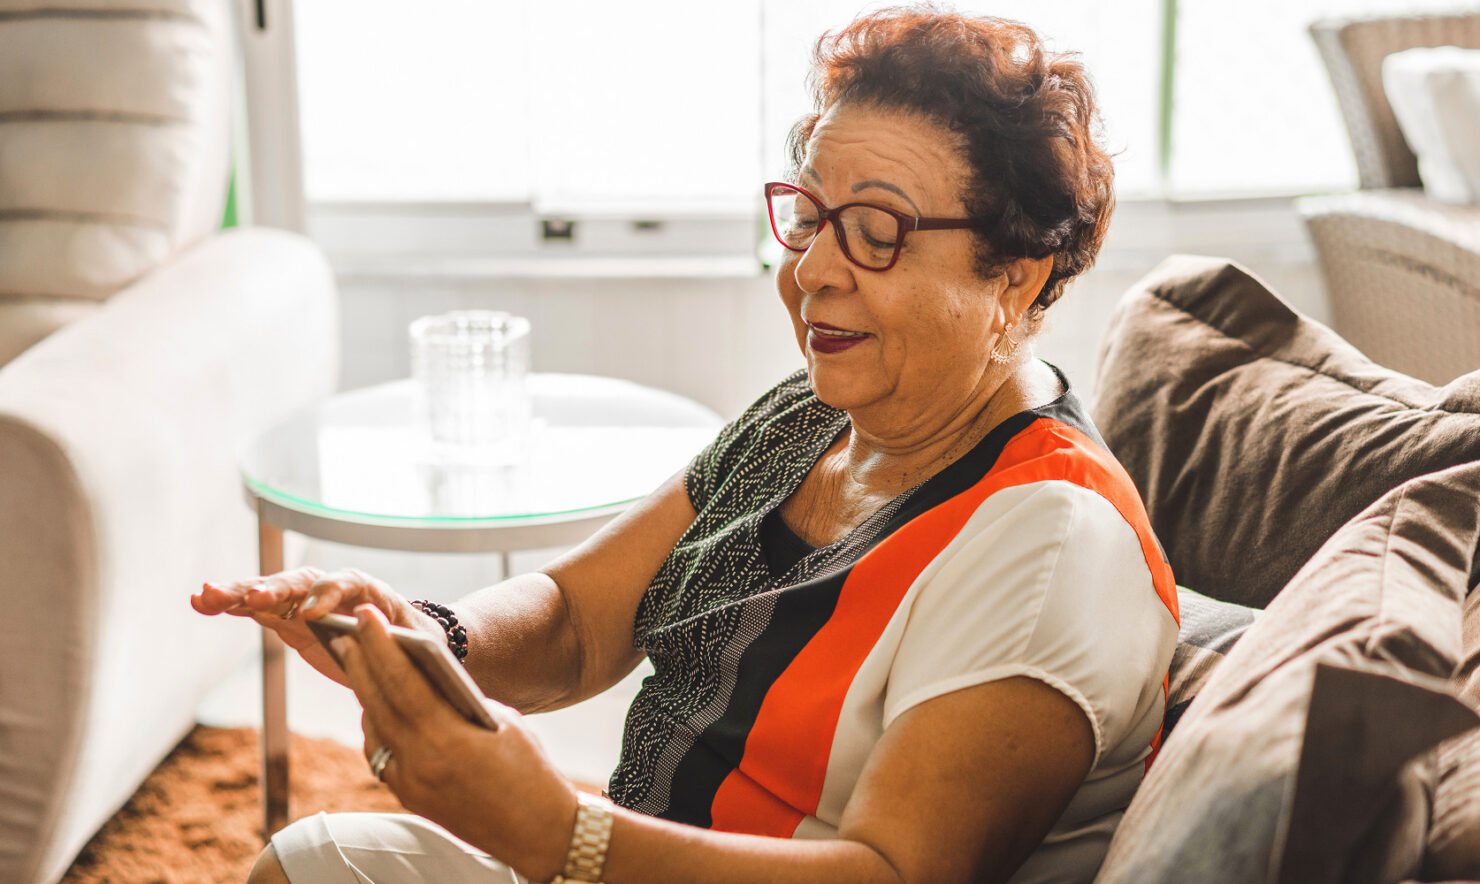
354, 470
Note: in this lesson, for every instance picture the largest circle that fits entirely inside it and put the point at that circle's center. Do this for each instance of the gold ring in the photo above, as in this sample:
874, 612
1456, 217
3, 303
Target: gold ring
378, 760
291, 612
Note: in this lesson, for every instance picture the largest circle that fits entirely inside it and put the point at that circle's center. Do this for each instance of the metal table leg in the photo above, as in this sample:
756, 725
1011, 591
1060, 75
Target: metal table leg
274, 696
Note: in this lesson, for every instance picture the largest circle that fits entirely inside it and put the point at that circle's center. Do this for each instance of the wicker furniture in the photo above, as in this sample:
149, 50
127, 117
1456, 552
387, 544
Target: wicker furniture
1353, 50
1402, 271
1403, 276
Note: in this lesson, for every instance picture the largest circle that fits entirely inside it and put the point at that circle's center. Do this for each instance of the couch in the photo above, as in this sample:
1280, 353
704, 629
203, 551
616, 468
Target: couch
1321, 514
139, 346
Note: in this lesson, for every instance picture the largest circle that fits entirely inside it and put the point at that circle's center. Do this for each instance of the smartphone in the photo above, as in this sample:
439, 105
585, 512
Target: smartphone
432, 657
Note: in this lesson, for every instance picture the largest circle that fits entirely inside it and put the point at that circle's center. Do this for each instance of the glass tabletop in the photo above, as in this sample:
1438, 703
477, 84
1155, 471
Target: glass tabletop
595, 443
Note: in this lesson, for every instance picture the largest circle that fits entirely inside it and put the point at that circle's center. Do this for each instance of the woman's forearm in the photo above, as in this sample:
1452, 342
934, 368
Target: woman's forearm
647, 849
522, 648
548, 639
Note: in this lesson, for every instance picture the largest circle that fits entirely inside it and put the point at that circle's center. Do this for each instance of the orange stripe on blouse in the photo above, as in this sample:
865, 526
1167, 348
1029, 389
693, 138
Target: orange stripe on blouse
780, 777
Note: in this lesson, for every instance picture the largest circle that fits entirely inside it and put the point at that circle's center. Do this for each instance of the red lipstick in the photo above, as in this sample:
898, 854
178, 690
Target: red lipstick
820, 341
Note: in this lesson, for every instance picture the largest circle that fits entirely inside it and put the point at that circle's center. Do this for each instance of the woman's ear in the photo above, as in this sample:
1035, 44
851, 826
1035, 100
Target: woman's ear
1025, 279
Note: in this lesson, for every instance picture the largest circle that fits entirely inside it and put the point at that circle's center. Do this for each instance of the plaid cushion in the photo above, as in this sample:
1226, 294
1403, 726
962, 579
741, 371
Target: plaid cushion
1209, 629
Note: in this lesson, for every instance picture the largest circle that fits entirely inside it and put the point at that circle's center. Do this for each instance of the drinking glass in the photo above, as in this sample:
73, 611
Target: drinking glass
469, 368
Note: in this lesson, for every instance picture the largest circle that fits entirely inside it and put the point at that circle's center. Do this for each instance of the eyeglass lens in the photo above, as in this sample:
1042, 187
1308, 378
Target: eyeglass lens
870, 234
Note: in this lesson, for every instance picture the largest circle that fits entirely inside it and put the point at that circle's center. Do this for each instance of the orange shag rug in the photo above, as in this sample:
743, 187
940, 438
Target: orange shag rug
198, 818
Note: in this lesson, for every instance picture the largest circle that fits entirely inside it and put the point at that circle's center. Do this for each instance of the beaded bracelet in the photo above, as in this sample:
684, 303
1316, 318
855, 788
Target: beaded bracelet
457, 637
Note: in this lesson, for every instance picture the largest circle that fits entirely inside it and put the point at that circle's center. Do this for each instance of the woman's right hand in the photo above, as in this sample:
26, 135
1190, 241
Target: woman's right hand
282, 601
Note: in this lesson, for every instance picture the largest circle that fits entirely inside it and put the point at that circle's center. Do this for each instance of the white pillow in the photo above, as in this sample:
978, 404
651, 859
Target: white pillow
1435, 95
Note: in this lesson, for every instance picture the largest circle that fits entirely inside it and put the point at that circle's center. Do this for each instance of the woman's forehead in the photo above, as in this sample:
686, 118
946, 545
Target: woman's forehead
864, 149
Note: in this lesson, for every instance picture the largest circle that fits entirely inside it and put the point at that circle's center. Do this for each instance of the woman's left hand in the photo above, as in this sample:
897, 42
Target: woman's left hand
495, 790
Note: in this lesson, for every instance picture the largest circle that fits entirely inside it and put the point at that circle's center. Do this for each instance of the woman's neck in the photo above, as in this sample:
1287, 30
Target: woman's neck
897, 456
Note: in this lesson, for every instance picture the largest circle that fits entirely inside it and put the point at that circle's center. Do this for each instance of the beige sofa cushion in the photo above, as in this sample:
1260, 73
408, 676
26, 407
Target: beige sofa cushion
114, 152
24, 321
119, 494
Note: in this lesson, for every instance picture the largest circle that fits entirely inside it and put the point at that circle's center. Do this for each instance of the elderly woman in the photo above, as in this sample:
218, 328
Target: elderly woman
907, 619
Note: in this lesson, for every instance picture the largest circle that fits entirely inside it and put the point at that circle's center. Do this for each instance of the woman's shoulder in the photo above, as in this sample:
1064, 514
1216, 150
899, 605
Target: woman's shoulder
1044, 579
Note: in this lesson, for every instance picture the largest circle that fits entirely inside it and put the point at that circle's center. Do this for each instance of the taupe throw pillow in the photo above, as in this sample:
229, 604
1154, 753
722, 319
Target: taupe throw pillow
1363, 787
1381, 597
1453, 848
1254, 433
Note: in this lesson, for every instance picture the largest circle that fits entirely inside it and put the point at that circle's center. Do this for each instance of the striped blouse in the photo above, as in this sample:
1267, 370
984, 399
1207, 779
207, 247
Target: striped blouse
1030, 556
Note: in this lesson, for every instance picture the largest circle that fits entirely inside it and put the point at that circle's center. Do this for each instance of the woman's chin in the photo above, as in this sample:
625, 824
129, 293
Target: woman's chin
840, 390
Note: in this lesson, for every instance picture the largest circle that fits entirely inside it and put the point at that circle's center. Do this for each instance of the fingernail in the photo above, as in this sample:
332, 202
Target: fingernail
312, 603
362, 613
340, 644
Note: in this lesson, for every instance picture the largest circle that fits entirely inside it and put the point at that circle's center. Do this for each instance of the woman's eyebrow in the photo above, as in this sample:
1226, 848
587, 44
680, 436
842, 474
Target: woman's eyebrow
862, 185
811, 173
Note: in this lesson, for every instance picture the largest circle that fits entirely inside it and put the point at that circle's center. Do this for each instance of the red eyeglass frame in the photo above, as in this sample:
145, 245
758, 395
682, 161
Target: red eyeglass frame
907, 223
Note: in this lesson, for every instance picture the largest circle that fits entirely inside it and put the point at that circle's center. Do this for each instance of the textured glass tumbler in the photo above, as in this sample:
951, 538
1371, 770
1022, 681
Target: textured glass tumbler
469, 369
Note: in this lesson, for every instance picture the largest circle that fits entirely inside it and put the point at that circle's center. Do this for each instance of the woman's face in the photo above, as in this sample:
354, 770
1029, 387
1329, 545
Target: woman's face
919, 334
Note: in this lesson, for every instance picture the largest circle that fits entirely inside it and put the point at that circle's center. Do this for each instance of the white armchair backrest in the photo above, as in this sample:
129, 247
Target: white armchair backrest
114, 144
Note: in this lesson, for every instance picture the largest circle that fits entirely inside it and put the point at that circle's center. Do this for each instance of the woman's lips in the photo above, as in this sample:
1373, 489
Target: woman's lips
826, 338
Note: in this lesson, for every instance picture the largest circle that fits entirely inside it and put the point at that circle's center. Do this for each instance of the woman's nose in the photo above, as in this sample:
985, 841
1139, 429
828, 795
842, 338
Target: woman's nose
823, 265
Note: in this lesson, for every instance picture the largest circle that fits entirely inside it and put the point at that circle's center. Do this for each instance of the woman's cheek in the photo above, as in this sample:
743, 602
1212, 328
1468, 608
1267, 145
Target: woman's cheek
791, 296
786, 281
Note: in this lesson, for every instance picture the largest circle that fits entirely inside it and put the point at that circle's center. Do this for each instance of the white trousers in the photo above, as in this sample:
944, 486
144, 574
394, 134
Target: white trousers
382, 848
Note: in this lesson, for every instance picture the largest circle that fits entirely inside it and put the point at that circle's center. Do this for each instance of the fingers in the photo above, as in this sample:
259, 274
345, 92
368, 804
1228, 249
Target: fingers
216, 599
374, 747
380, 723
343, 590
372, 737
407, 693
307, 592
281, 594
379, 716
303, 591
276, 594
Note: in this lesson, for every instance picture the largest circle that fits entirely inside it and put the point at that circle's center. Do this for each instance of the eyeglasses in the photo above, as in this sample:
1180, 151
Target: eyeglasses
870, 236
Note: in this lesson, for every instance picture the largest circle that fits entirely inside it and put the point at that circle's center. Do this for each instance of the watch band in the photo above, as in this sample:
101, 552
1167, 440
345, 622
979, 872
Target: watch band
586, 859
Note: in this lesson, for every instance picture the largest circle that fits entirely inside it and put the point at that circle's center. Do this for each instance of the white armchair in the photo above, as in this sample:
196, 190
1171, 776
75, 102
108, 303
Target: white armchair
139, 348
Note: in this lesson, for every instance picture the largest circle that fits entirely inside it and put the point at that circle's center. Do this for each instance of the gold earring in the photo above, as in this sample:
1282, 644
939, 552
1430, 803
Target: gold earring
999, 353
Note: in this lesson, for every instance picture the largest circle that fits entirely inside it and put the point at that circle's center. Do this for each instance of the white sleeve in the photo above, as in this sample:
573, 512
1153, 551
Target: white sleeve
1047, 581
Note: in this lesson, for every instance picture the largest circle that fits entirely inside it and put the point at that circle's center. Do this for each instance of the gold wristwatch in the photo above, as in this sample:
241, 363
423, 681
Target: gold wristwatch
586, 859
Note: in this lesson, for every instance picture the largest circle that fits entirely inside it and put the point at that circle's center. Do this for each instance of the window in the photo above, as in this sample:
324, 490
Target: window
654, 109
1253, 107
568, 105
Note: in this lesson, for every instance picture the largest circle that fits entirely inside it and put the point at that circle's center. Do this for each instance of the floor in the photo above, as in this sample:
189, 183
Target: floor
583, 740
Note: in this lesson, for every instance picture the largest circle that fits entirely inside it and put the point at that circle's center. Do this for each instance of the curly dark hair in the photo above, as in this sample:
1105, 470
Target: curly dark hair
1040, 183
